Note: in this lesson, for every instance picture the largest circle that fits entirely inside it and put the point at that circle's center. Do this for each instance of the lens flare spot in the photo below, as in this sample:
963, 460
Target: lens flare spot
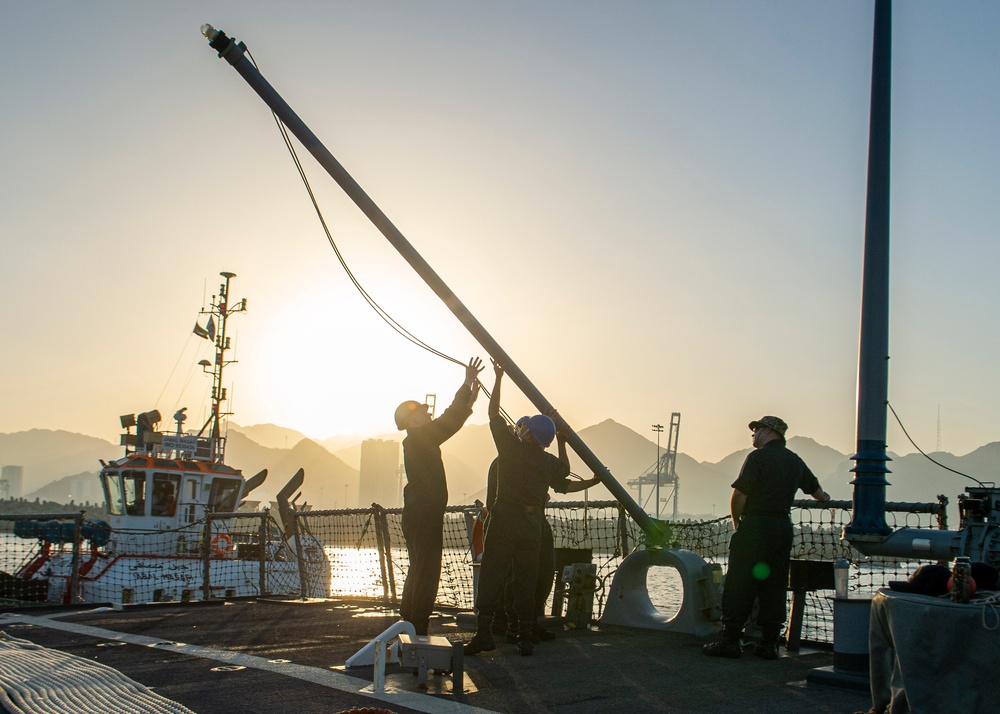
761, 571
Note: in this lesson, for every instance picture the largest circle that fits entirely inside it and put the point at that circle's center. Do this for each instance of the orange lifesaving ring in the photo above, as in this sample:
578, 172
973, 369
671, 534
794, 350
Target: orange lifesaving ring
222, 544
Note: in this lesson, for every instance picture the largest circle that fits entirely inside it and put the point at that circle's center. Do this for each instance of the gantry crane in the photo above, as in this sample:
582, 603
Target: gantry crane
664, 470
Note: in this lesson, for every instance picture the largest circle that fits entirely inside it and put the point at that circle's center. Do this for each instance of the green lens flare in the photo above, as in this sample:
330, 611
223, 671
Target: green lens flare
761, 571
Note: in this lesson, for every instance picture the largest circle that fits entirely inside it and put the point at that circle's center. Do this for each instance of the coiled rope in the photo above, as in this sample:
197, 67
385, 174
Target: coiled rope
38, 680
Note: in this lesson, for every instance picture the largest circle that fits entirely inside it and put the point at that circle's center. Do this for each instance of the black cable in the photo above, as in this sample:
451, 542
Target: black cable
386, 317
946, 468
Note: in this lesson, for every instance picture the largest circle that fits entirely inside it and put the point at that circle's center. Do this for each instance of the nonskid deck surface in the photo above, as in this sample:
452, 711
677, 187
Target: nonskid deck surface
272, 656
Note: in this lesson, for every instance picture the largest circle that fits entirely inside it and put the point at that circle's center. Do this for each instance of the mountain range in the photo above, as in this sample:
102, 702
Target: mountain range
62, 466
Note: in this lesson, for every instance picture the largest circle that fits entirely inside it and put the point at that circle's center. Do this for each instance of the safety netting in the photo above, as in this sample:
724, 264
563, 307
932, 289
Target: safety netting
361, 553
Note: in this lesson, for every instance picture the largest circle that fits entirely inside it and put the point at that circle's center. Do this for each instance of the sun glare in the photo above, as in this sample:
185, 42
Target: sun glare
324, 363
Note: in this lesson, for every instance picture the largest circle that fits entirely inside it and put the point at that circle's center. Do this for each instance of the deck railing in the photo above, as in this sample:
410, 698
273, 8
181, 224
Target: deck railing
361, 554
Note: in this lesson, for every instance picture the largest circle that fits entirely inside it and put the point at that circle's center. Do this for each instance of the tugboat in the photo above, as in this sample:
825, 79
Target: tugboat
174, 533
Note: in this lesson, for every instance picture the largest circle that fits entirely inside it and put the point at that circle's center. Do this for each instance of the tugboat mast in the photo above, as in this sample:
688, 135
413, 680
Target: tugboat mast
220, 309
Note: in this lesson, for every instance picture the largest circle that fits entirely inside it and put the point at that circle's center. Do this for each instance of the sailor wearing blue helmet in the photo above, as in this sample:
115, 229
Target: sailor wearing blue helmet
513, 539
505, 619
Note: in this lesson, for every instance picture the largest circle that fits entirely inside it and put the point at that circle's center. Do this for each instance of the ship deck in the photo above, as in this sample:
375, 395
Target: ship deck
274, 656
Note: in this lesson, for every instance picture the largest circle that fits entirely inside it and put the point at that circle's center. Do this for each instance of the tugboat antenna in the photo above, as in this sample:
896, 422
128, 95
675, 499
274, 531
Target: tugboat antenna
220, 309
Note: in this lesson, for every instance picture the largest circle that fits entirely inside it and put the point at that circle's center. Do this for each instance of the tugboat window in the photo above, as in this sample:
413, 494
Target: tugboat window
165, 489
191, 501
113, 493
222, 499
135, 492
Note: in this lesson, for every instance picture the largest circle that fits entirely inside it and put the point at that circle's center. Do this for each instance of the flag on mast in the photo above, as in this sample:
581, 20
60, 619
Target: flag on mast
200, 331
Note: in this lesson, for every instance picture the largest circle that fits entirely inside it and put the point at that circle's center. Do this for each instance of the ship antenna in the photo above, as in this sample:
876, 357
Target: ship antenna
220, 309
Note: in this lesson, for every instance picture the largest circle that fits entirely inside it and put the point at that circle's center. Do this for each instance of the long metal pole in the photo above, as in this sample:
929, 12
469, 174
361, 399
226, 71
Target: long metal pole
868, 518
234, 53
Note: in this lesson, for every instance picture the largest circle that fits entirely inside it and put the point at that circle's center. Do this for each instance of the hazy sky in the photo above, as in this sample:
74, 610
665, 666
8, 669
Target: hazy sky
652, 206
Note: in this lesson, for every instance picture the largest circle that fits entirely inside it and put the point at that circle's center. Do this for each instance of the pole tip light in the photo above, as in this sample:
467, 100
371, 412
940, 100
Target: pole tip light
210, 32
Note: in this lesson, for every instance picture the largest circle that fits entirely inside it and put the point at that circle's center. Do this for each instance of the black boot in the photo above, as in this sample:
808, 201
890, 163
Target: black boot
482, 641
723, 648
728, 645
524, 644
540, 634
768, 648
510, 630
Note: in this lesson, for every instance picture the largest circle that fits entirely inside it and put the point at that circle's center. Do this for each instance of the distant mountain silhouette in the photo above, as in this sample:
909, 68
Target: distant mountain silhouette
269, 435
826, 463
48, 455
625, 453
73, 491
329, 482
914, 478
59, 464
345, 442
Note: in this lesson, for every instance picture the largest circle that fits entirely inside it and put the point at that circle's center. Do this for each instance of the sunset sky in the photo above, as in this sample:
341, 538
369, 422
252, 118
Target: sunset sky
654, 207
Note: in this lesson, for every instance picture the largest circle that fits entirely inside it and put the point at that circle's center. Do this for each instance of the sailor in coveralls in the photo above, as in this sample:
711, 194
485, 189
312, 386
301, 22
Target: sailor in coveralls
513, 538
505, 618
426, 493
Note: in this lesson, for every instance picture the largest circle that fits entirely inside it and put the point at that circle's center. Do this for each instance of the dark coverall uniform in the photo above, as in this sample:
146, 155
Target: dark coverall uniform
513, 536
760, 550
546, 559
424, 499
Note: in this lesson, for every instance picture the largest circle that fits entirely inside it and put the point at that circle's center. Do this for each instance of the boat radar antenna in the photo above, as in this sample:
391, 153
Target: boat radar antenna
220, 309
180, 417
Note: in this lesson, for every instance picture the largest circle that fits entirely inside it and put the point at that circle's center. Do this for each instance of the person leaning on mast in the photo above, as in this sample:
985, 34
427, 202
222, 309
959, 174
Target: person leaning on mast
760, 548
526, 471
425, 495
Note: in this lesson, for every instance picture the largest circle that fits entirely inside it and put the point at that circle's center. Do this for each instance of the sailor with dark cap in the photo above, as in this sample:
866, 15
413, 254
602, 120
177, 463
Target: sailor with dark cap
760, 548
426, 493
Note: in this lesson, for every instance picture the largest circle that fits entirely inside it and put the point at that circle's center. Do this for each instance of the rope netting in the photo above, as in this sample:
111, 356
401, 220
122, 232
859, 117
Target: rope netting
361, 553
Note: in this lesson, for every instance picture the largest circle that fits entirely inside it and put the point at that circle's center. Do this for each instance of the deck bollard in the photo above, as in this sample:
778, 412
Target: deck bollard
850, 645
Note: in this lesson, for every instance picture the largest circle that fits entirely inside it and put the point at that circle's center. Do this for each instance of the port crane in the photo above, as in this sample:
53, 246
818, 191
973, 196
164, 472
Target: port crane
664, 471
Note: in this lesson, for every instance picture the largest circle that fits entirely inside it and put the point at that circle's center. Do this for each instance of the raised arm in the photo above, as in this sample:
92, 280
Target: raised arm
561, 440
494, 408
563, 454
472, 371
